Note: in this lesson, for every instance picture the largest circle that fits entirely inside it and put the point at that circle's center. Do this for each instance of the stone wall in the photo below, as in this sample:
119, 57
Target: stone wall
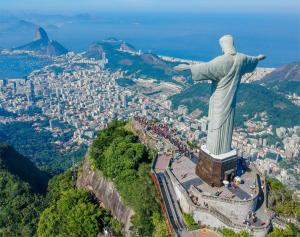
105, 191
212, 216
235, 210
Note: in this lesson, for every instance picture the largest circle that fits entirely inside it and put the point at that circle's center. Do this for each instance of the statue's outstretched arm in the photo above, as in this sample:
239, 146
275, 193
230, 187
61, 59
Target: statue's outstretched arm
252, 61
201, 71
197, 71
261, 57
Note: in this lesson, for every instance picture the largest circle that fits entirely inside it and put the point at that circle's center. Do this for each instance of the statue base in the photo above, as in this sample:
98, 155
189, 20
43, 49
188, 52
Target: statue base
214, 169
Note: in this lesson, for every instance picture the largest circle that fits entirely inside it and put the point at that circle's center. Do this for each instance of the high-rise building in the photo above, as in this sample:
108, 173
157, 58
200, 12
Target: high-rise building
204, 125
51, 124
124, 101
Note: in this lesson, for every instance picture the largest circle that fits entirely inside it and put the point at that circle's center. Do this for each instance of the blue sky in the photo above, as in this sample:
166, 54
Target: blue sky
150, 5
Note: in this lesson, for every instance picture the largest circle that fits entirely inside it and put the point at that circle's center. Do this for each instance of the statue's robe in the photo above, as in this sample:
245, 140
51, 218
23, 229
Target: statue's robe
225, 72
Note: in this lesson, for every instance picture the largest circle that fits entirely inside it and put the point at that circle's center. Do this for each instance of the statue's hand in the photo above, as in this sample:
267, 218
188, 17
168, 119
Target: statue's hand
261, 57
182, 67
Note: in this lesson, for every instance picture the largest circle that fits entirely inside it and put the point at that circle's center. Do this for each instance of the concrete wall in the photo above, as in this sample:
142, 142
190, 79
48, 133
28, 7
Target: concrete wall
208, 219
214, 215
236, 210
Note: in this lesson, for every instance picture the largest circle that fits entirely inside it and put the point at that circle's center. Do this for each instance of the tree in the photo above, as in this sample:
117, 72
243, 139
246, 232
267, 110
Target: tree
160, 229
290, 231
281, 199
120, 156
73, 214
19, 206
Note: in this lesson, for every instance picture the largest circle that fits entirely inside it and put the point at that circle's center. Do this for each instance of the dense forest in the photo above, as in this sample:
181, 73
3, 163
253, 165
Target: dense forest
40, 146
73, 211
21, 201
27, 210
118, 153
281, 200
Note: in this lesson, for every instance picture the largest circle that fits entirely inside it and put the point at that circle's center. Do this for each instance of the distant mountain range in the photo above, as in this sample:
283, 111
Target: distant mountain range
285, 79
287, 72
43, 45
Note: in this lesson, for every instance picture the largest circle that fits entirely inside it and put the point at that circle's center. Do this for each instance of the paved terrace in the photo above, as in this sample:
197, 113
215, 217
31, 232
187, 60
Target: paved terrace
184, 169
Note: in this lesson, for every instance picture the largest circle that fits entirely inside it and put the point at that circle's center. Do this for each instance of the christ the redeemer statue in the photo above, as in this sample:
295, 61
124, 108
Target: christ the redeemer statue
225, 73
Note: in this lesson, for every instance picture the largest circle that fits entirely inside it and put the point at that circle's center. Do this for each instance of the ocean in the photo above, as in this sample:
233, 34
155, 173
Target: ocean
191, 36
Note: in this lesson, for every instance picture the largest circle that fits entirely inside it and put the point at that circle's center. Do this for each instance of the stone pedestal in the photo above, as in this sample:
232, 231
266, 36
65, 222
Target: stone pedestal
213, 169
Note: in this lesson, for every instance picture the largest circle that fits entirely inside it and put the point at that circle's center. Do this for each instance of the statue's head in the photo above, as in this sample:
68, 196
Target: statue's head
227, 44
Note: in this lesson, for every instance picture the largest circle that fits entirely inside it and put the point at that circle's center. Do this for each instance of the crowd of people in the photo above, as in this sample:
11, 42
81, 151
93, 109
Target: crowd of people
164, 131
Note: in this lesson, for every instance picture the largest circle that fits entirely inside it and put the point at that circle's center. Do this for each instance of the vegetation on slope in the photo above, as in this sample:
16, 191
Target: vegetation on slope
20, 204
288, 231
145, 65
251, 99
119, 155
230, 233
19, 207
284, 87
281, 200
64, 210
40, 146
283, 80
73, 212
190, 222
20, 166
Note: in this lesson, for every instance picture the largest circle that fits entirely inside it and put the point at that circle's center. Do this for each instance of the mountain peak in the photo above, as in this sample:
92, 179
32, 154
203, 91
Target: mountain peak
42, 45
40, 34
288, 72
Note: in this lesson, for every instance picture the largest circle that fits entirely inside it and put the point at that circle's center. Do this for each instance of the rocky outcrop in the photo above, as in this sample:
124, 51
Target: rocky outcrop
42, 45
40, 34
92, 180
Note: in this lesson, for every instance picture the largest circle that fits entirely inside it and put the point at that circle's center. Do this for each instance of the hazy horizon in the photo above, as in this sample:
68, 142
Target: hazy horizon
67, 6
189, 29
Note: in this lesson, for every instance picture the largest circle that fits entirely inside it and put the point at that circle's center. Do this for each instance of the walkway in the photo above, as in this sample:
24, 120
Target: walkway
171, 204
200, 233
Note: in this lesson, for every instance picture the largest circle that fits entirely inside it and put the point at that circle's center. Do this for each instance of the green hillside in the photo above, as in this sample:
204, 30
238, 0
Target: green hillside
23, 168
63, 211
145, 65
20, 204
68, 211
283, 87
40, 147
73, 212
120, 156
284, 80
251, 98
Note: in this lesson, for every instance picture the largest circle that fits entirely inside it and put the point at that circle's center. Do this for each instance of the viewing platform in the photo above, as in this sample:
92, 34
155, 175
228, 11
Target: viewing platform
184, 170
